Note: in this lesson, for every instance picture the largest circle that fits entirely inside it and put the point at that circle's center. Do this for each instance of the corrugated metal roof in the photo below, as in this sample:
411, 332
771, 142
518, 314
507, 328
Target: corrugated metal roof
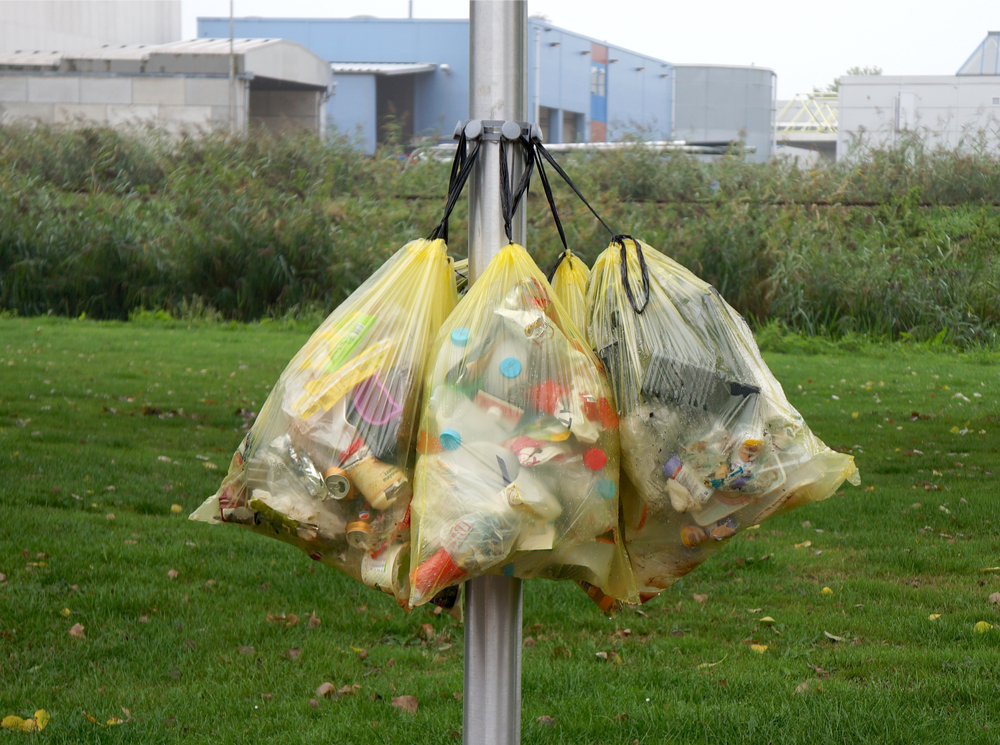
381, 68
142, 52
22, 59
275, 59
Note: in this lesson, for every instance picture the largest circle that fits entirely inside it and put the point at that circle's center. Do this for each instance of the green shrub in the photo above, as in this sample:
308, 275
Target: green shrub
898, 242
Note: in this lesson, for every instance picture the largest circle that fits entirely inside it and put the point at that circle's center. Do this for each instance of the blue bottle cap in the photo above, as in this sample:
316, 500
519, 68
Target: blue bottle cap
450, 439
510, 367
606, 488
460, 336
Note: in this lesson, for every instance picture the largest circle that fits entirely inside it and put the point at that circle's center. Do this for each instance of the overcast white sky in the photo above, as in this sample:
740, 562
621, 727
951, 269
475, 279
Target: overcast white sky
807, 43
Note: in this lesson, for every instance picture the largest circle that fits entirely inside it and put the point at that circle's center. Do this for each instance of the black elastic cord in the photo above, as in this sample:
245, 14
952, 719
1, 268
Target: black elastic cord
566, 254
461, 169
620, 240
552, 206
540, 148
509, 196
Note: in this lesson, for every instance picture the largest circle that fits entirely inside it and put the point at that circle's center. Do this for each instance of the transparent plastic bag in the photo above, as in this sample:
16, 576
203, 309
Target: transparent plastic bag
518, 465
710, 443
327, 466
569, 284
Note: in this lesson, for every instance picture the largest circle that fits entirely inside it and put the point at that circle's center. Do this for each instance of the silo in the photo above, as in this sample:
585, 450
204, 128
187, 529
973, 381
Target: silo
718, 104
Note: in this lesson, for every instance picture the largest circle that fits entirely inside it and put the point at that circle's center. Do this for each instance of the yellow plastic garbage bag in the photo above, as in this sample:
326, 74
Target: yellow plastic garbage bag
710, 443
569, 284
328, 464
517, 472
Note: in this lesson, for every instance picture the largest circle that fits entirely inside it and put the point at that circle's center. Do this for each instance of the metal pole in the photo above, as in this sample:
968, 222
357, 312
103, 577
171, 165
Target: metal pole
232, 75
537, 94
498, 89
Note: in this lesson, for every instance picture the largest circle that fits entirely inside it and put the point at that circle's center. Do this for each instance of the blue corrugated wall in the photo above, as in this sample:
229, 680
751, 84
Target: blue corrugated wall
635, 100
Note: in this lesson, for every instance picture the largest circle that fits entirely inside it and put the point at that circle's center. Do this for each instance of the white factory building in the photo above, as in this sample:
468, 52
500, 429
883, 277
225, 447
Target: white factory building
76, 25
945, 110
184, 87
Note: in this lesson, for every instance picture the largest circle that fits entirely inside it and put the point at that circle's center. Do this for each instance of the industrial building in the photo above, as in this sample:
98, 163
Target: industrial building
184, 87
78, 25
945, 110
583, 90
720, 104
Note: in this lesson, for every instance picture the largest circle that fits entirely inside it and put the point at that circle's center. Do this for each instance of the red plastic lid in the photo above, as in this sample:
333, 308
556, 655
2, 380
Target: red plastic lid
595, 459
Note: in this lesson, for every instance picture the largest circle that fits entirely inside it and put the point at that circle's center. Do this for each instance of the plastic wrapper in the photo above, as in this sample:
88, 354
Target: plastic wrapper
328, 464
519, 454
569, 284
710, 443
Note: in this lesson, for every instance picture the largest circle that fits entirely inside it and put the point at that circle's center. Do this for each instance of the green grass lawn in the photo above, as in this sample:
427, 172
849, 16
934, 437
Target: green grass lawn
104, 427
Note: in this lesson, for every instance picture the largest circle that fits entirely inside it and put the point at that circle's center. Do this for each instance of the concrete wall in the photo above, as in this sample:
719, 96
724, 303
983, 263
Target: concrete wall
946, 110
179, 104
636, 100
75, 25
282, 111
723, 104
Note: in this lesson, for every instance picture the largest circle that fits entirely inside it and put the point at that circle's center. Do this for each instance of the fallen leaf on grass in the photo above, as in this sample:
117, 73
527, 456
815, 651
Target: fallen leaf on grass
982, 627
172, 574
314, 621
406, 703
990, 569
833, 638
826, 591
623, 717
547, 721
294, 653
35, 724
711, 664
109, 723
313, 703
933, 616
3, 577
428, 630
807, 686
759, 648
699, 598
247, 650
995, 598
804, 544
326, 689
768, 620
76, 631
176, 509
65, 613
143, 619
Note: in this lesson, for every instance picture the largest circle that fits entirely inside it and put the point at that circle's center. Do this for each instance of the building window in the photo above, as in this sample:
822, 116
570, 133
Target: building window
598, 80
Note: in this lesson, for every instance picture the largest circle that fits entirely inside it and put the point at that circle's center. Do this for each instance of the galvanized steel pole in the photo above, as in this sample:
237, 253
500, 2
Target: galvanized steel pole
498, 90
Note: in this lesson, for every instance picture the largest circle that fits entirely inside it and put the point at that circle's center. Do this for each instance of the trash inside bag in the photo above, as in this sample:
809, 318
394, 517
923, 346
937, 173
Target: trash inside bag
569, 284
710, 444
517, 472
327, 466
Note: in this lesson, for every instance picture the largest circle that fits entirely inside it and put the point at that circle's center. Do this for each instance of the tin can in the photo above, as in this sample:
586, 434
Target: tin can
359, 534
380, 483
337, 483
386, 570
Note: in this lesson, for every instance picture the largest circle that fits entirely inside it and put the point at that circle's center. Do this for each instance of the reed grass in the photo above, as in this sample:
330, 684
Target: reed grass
896, 243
